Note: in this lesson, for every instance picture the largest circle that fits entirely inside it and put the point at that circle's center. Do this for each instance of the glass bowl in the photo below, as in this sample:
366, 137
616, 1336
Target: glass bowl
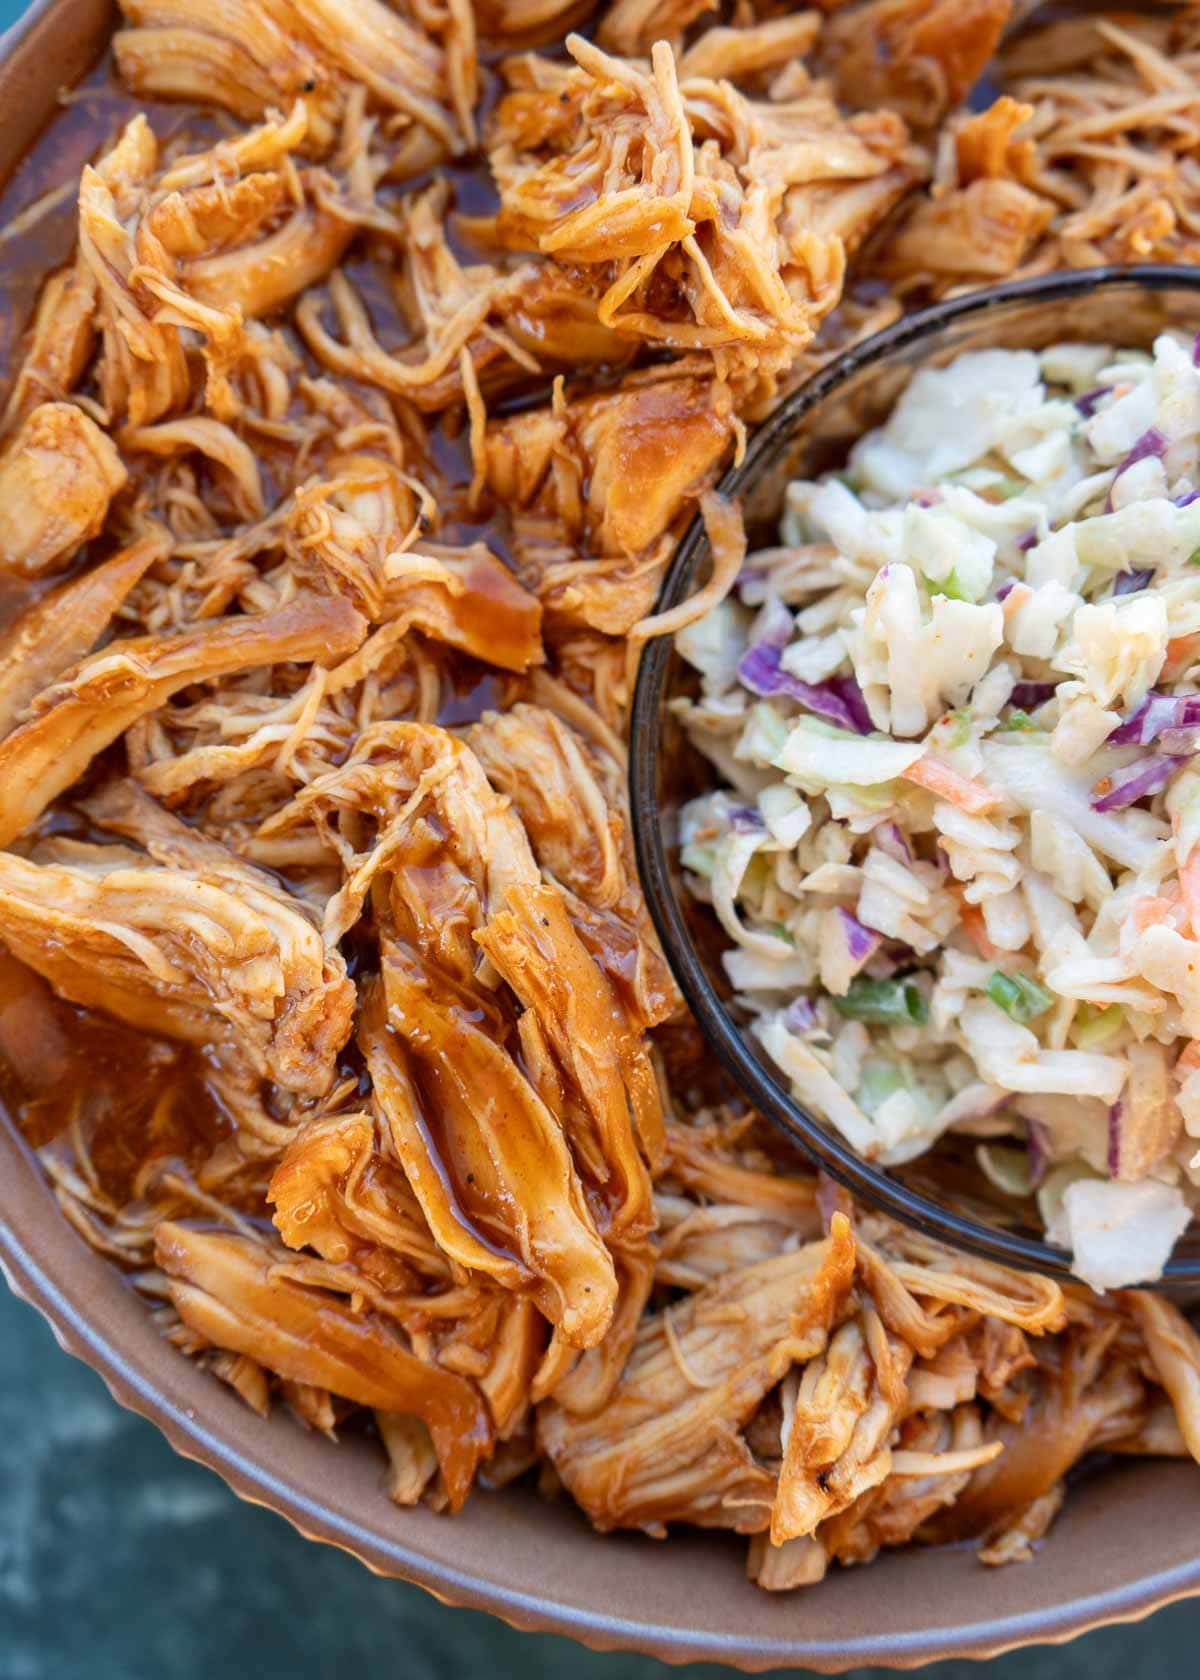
943, 1195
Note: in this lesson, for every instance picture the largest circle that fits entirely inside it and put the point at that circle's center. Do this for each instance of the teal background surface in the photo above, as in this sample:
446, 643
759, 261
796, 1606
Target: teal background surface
120, 1561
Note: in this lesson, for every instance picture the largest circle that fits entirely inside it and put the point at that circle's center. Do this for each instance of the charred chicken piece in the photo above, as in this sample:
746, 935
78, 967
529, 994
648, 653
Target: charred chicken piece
360, 532
495, 1155
571, 801
615, 470
60, 344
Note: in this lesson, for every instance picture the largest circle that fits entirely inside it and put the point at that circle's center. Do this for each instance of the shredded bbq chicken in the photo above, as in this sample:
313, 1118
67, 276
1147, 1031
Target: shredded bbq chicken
710, 222
1087, 157
229, 1291
918, 57
58, 475
336, 490
252, 55
667, 1445
187, 939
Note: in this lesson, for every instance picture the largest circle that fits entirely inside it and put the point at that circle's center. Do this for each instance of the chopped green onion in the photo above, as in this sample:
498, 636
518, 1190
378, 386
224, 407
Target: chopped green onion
883, 1003
950, 587
961, 733
1193, 558
952, 729
1019, 996
1019, 720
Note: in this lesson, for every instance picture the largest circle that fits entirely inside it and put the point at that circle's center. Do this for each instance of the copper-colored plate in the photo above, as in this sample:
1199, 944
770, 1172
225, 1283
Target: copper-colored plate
1125, 1544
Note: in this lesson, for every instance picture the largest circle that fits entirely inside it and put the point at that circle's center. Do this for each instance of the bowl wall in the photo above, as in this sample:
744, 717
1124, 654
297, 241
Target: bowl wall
1125, 1544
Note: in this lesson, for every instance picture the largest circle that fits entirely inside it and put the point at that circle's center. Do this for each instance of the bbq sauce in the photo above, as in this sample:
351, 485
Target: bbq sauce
109, 1100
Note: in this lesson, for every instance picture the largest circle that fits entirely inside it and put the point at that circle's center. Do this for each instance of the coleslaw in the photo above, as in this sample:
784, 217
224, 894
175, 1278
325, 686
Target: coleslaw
955, 845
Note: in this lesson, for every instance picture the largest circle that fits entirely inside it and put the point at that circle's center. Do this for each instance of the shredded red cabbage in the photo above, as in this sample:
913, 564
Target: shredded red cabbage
840, 700
800, 1016
1151, 442
1196, 351
1128, 583
1028, 696
1183, 742
1136, 781
851, 697
1114, 1138
889, 839
1006, 589
744, 819
1156, 713
1087, 401
860, 941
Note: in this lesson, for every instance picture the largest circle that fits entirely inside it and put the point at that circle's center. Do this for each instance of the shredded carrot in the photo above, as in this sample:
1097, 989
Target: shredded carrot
975, 929
1181, 650
937, 778
1015, 600
1148, 911
1189, 883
